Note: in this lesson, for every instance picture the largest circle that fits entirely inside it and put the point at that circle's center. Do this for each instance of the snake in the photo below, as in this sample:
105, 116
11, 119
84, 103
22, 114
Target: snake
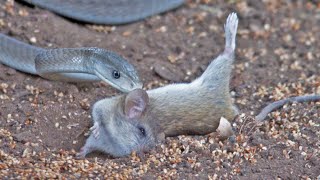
107, 11
70, 64
86, 63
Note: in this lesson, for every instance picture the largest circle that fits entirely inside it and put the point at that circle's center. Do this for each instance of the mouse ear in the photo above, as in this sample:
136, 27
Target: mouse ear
135, 103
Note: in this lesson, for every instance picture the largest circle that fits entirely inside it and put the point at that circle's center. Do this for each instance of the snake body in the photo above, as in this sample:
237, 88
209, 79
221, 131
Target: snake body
69, 64
107, 11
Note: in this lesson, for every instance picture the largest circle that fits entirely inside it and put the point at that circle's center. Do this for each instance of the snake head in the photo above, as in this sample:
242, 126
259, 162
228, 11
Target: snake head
115, 70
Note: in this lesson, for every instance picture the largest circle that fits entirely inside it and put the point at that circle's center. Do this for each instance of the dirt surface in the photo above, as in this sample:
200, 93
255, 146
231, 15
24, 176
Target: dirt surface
44, 123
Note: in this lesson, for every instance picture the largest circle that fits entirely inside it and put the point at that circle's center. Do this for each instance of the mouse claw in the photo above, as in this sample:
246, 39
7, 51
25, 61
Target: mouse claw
95, 130
82, 154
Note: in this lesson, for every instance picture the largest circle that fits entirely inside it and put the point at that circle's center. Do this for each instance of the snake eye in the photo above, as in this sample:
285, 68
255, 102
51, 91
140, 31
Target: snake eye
116, 74
142, 131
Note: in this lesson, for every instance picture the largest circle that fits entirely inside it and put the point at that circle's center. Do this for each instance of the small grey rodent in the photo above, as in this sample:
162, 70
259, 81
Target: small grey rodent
136, 121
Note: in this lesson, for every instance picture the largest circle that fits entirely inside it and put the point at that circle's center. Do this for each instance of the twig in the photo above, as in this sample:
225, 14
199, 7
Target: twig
245, 120
250, 131
275, 105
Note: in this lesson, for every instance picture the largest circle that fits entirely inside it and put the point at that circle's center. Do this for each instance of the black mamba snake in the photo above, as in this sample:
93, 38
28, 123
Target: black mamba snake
70, 64
83, 64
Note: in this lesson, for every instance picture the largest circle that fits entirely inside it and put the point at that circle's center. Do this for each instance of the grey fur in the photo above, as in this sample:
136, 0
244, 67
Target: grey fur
189, 108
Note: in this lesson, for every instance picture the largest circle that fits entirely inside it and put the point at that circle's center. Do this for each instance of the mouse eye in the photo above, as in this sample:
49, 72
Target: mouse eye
116, 74
142, 131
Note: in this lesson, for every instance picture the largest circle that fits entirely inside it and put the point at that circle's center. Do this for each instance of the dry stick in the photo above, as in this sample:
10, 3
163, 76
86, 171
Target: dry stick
275, 105
240, 131
253, 127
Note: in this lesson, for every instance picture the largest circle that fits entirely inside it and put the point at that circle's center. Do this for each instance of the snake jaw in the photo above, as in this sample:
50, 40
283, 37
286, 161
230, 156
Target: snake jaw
97, 73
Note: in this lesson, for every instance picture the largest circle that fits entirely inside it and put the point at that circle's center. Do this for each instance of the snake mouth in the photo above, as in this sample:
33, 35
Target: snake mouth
97, 73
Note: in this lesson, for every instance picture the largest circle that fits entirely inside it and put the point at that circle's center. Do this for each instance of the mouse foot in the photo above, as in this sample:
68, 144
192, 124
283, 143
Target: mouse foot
82, 154
95, 130
230, 28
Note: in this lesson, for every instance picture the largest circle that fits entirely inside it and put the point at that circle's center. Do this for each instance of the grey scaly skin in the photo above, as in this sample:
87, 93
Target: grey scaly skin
107, 11
138, 120
70, 64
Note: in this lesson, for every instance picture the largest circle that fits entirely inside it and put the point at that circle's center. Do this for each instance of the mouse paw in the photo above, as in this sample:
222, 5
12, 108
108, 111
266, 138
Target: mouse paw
82, 154
230, 28
95, 130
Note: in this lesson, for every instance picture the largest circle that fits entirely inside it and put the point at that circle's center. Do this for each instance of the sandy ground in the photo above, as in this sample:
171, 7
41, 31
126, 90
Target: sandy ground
44, 123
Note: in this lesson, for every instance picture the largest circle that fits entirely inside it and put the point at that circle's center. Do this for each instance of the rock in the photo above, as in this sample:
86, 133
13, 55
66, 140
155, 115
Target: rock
45, 84
73, 89
11, 72
168, 72
24, 137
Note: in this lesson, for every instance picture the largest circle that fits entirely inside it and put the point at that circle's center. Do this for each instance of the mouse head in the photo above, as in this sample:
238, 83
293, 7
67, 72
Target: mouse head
126, 125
